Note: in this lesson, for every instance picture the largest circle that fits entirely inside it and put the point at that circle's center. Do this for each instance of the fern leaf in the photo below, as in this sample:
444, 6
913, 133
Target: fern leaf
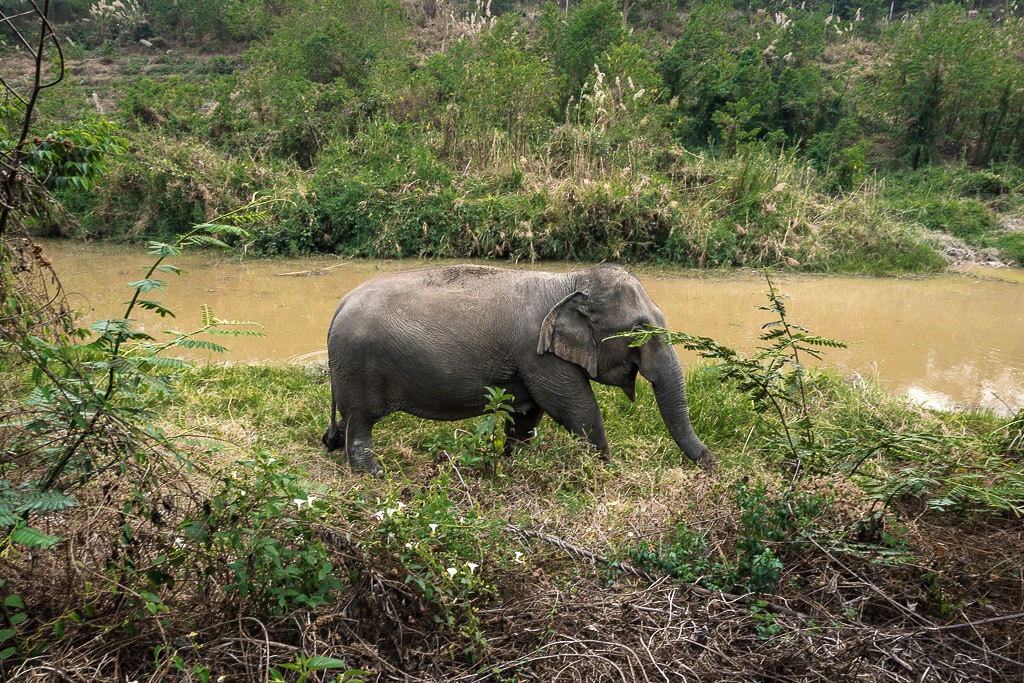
33, 538
147, 285
173, 363
155, 306
173, 270
236, 333
224, 228
163, 250
206, 316
208, 241
199, 344
42, 502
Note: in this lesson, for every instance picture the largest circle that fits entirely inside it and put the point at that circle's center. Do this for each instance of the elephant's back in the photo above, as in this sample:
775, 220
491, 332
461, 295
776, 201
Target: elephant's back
434, 287
427, 296
440, 281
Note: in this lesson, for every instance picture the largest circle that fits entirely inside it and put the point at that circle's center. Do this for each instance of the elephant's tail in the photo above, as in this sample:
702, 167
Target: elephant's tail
333, 438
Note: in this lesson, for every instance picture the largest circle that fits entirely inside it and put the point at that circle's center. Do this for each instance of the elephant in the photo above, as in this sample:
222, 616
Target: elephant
430, 342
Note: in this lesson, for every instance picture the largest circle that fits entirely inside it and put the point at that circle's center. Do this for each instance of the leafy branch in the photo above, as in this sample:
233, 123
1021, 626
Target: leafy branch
770, 376
102, 389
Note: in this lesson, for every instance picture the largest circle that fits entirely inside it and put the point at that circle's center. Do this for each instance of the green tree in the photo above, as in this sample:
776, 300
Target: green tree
495, 81
943, 83
307, 80
199, 21
769, 85
625, 98
698, 70
574, 40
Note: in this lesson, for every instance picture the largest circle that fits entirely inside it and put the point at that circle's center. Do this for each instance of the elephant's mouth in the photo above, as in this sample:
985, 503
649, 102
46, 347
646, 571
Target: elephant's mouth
628, 384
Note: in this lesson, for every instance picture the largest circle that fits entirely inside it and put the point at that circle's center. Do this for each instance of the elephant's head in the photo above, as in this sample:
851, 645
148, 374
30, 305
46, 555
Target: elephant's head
606, 301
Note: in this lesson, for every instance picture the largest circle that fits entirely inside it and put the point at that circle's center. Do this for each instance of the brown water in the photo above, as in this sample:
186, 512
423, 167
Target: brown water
952, 339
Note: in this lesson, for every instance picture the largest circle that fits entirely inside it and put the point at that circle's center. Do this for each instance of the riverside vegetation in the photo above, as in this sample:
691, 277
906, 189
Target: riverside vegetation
168, 522
803, 135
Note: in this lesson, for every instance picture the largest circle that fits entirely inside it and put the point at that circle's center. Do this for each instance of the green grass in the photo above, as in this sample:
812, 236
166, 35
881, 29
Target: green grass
284, 410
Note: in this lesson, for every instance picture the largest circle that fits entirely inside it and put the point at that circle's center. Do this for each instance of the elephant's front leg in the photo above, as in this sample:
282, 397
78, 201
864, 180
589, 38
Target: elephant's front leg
358, 447
574, 406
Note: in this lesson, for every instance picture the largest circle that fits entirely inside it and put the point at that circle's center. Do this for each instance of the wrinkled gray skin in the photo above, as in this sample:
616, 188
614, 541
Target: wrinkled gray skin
429, 342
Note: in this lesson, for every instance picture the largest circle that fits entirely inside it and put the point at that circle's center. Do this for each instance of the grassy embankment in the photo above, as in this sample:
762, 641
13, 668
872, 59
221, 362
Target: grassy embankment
508, 139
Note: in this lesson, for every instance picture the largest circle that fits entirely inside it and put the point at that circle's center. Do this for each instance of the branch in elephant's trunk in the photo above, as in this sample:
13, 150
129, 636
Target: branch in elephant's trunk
580, 551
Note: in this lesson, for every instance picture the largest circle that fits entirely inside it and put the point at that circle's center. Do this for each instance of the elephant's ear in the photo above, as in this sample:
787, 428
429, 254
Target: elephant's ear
566, 333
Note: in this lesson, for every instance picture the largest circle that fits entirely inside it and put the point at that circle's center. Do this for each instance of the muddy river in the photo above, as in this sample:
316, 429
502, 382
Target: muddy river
955, 339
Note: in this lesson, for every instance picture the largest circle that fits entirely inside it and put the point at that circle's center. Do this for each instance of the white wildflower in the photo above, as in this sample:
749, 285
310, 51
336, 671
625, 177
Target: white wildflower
433, 529
452, 571
472, 566
307, 501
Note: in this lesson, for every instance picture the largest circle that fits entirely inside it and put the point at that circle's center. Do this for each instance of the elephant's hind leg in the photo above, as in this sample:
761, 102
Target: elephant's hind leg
522, 428
357, 446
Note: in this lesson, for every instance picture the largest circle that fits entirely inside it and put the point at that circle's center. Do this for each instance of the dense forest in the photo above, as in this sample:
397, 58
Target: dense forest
169, 520
824, 136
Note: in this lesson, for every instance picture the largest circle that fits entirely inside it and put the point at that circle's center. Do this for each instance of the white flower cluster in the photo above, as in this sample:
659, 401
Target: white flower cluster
117, 14
606, 98
836, 23
389, 512
452, 571
472, 23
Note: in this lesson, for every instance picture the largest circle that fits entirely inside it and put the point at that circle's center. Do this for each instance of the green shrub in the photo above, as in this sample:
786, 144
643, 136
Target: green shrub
697, 69
573, 41
206, 21
258, 537
767, 534
173, 105
494, 83
1011, 246
167, 186
968, 219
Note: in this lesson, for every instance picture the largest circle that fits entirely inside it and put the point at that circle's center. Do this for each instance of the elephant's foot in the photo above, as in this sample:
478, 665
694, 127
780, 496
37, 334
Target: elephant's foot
371, 468
362, 460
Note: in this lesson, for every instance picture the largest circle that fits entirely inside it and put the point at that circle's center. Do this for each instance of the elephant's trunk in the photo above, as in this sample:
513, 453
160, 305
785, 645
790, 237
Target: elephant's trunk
660, 366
